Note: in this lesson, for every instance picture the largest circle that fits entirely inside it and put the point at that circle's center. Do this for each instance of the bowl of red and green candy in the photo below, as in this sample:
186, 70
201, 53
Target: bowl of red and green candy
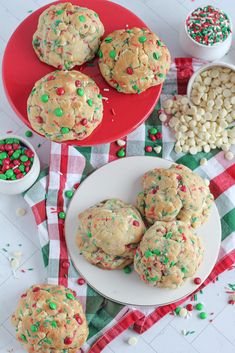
19, 165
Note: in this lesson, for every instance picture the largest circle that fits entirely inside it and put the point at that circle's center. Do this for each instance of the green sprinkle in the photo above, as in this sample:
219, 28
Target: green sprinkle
112, 54
53, 324
96, 14
161, 75
28, 133
184, 269
172, 263
34, 328
199, 306
108, 39
89, 102
70, 296
58, 112
203, 315
165, 261
80, 92
3, 177
156, 252
153, 279
61, 215
69, 194
44, 98
177, 310
99, 96
64, 130
148, 254
59, 12
47, 340
82, 18
23, 337
159, 43
168, 235
52, 305
142, 39
100, 54
194, 219
127, 269
33, 91
135, 87
156, 56
89, 235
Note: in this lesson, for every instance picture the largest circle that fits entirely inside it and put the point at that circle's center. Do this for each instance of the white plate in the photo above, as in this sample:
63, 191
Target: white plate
121, 179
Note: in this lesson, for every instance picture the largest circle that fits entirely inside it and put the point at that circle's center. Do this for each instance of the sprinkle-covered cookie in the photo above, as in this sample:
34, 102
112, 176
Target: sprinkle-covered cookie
50, 319
174, 193
168, 253
132, 60
67, 35
109, 233
65, 105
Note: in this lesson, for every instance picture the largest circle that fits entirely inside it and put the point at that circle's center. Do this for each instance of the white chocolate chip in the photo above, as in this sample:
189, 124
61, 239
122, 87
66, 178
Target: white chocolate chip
132, 341
157, 149
121, 143
229, 155
20, 212
183, 312
163, 117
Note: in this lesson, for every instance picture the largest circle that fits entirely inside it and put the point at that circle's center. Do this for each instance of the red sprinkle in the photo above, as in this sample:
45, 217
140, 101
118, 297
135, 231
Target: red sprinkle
158, 135
148, 148
113, 111
129, 71
197, 280
68, 340
23, 295
189, 307
76, 186
183, 188
78, 318
65, 264
39, 119
36, 289
60, 67
50, 78
83, 122
136, 223
78, 83
81, 281
60, 91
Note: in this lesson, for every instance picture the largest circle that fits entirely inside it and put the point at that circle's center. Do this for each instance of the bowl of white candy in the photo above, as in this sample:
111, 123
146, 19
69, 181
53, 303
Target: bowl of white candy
204, 119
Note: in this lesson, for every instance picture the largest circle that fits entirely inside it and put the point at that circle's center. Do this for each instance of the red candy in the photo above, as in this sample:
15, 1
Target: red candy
152, 137
19, 176
50, 78
65, 264
129, 71
6, 161
16, 162
36, 289
136, 223
60, 91
81, 281
15, 146
183, 188
23, 295
8, 147
158, 135
83, 122
2, 148
189, 307
27, 163
17, 171
78, 318
78, 83
68, 340
27, 169
10, 153
231, 301
39, 119
76, 186
197, 280
148, 148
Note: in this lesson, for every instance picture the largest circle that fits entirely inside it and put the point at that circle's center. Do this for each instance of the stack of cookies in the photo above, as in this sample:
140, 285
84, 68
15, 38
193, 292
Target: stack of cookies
67, 105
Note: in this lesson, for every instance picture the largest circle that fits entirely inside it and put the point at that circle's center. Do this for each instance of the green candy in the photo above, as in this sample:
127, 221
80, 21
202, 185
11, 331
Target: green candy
16, 154
59, 12
90, 102
65, 130
100, 54
165, 261
44, 98
34, 328
70, 296
24, 158
159, 43
69, 194
58, 112
156, 56
2, 142
177, 310
148, 253
61, 215
172, 263
112, 54
142, 39
52, 305
21, 167
82, 18
161, 75
3, 155
153, 131
13, 177
127, 269
108, 40
199, 306
184, 270
23, 337
168, 235
9, 173
89, 235
135, 87
156, 252
28, 133
53, 324
203, 315
3, 177
10, 140
121, 153
80, 92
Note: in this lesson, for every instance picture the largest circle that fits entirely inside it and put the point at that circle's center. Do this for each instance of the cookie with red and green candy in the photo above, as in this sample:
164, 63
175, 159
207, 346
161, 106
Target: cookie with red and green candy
132, 60
65, 105
16, 159
168, 253
50, 319
109, 233
174, 193
67, 35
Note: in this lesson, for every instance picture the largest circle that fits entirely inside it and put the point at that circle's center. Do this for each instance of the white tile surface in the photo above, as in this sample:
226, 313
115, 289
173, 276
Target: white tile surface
164, 17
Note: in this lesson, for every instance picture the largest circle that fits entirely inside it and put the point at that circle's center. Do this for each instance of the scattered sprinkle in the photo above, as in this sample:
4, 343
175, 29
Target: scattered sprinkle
39, 145
106, 89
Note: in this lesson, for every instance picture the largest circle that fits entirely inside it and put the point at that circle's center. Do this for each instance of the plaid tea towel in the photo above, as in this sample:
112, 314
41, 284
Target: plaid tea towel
70, 165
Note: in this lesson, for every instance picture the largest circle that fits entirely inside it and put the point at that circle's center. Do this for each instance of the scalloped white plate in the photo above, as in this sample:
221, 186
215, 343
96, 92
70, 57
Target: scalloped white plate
121, 179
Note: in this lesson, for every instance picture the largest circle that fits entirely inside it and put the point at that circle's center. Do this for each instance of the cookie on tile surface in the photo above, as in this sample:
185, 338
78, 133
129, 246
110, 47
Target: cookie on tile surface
65, 105
50, 319
67, 35
132, 60
168, 253
174, 193
109, 233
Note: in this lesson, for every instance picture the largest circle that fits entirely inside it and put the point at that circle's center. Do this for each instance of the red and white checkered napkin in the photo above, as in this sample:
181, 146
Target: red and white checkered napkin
69, 166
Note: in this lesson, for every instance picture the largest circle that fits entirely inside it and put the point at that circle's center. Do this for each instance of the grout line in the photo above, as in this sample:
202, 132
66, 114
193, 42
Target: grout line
169, 323
190, 343
12, 14
162, 18
223, 335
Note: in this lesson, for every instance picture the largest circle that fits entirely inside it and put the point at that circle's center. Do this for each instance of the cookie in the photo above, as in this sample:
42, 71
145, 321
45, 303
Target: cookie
67, 35
174, 193
132, 60
65, 105
50, 319
169, 253
109, 233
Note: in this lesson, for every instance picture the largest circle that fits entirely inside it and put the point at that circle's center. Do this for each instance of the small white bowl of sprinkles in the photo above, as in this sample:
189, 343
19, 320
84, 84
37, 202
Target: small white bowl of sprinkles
206, 33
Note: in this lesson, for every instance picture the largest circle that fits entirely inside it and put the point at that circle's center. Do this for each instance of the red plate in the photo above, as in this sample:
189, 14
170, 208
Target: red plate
22, 68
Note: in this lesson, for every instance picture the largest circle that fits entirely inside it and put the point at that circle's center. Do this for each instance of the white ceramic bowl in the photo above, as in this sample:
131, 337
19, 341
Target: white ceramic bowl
13, 187
205, 52
203, 68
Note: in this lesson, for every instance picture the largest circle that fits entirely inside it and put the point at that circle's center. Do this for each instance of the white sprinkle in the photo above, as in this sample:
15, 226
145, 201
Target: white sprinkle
127, 25
203, 161
20, 212
157, 149
184, 332
15, 263
132, 341
59, 173
121, 143
183, 313
17, 254
229, 155
105, 98
106, 89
